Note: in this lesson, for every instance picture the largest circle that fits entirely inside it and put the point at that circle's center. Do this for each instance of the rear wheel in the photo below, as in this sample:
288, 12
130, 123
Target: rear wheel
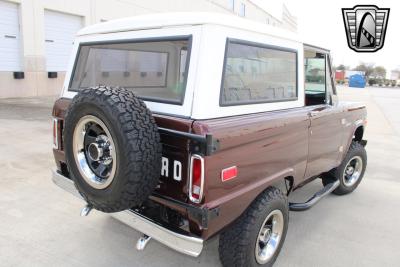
94, 152
350, 172
256, 238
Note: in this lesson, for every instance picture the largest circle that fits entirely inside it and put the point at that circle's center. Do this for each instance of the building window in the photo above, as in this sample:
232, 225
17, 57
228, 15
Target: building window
242, 10
257, 73
231, 4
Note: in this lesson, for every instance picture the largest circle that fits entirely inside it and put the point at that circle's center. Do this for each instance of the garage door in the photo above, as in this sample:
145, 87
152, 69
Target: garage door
10, 41
60, 31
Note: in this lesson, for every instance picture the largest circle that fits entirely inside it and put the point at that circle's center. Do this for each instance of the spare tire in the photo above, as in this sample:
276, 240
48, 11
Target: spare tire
112, 148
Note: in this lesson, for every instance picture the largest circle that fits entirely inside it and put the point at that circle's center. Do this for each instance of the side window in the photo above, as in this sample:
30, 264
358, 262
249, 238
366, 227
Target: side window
258, 74
315, 78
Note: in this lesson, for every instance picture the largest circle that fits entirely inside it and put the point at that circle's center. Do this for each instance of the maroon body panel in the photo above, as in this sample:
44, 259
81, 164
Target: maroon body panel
326, 135
266, 147
355, 116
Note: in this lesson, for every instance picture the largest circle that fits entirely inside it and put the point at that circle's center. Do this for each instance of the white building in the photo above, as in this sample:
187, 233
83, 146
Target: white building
395, 75
36, 36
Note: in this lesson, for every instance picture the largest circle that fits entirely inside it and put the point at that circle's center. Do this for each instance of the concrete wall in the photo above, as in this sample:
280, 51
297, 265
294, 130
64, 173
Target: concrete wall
92, 11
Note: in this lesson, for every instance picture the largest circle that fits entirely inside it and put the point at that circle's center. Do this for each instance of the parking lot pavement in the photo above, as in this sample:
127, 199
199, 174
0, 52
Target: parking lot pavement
40, 224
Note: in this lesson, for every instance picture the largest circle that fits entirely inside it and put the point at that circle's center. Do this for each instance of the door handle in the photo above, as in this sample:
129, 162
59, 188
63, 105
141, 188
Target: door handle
318, 111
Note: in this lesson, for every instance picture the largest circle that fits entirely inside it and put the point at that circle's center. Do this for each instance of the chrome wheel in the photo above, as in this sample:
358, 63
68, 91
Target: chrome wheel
94, 152
352, 171
269, 237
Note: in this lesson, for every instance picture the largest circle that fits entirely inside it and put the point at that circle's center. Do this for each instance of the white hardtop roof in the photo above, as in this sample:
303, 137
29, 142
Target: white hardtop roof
165, 20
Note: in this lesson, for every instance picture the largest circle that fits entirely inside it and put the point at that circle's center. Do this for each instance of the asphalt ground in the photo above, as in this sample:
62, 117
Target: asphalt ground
40, 224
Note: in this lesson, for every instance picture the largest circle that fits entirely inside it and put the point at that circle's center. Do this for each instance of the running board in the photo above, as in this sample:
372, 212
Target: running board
315, 198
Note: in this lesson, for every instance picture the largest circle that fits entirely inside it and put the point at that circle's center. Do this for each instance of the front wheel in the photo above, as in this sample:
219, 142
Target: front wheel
256, 238
350, 172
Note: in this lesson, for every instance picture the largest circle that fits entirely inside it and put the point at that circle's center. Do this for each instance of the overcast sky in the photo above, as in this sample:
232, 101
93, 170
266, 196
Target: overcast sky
320, 23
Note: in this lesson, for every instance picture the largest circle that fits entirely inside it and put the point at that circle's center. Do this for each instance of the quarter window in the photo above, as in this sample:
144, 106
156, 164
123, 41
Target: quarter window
315, 74
255, 73
315, 78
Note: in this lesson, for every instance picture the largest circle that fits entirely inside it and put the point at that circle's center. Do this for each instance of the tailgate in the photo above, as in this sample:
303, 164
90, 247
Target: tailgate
175, 152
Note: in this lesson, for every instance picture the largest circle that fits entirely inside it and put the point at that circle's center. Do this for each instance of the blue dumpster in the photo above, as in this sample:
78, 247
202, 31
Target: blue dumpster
357, 80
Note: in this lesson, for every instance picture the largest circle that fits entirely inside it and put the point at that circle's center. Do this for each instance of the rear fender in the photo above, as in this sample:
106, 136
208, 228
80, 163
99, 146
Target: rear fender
233, 205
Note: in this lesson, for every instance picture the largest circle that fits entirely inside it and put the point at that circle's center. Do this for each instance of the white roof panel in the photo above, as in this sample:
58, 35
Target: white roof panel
165, 20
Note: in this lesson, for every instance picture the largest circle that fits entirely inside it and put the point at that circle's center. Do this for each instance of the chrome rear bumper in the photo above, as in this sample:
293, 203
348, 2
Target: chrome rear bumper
185, 244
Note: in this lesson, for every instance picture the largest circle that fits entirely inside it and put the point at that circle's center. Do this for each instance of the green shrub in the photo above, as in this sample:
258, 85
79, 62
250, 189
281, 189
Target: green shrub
386, 82
371, 81
339, 82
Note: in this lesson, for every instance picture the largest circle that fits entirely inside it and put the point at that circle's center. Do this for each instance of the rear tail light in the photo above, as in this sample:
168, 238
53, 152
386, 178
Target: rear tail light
196, 178
55, 133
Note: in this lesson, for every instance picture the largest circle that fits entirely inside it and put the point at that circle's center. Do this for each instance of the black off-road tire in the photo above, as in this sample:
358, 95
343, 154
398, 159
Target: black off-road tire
137, 146
355, 149
237, 242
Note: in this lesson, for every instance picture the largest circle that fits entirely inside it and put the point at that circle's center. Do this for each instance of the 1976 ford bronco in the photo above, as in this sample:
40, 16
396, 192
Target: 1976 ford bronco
191, 125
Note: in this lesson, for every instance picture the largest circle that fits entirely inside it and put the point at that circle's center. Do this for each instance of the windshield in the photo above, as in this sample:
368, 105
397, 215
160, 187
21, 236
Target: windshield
153, 70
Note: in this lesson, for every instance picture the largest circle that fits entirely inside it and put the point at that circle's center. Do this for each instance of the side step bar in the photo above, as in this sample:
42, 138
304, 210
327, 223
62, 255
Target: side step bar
315, 198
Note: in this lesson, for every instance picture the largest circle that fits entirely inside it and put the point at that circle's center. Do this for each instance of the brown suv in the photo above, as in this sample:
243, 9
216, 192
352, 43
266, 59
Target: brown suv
186, 126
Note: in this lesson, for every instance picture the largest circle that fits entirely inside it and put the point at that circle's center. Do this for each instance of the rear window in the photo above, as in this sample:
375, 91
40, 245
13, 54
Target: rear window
153, 70
256, 73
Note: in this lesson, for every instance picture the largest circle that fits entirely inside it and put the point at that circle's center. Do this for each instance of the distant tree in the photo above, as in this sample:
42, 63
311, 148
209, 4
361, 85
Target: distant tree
342, 67
386, 82
379, 72
367, 68
315, 71
371, 81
